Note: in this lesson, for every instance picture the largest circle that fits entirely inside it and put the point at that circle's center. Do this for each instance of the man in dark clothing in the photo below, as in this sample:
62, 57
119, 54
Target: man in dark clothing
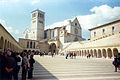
115, 63
17, 67
9, 66
30, 71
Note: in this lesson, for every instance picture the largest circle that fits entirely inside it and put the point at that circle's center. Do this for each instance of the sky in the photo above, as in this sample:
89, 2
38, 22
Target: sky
15, 15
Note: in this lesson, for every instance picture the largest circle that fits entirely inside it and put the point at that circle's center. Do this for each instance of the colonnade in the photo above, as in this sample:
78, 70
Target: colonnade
97, 53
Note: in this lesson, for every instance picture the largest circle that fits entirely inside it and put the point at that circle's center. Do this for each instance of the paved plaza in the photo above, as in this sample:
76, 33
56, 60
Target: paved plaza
81, 68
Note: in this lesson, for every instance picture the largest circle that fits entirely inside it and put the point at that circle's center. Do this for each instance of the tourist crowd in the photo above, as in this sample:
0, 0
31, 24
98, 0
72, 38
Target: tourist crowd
12, 62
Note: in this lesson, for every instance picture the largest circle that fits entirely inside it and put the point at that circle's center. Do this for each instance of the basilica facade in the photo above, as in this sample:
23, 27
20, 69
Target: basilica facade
104, 39
35, 38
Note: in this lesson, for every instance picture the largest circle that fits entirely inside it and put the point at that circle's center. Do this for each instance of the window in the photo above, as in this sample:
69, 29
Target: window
75, 24
40, 15
94, 34
103, 31
113, 29
34, 14
53, 33
40, 21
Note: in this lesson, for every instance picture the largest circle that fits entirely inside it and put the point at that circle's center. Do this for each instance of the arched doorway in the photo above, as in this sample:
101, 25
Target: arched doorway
91, 52
104, 53
1, 42
5, 45
95, 53
99, 53
85, 52
82, 53
115, 51
109, 51
52, 48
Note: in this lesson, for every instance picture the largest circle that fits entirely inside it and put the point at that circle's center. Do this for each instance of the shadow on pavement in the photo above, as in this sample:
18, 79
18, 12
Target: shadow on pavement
40, 73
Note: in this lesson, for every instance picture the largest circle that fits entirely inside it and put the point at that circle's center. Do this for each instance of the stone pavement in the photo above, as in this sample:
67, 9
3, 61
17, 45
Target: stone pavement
81, 68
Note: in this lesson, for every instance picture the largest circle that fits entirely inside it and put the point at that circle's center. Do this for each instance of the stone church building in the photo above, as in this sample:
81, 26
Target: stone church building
36, 38
104, 40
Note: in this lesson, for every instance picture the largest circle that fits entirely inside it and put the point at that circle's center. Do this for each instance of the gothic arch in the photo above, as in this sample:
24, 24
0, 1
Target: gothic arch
104, 53
109, 51
115, 51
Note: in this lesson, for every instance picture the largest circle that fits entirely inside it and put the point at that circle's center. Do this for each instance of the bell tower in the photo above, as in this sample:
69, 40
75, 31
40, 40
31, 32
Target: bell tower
37, 25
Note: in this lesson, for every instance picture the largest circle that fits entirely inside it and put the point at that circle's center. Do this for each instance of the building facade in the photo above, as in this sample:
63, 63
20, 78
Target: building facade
8, 41
104, 42
104, 39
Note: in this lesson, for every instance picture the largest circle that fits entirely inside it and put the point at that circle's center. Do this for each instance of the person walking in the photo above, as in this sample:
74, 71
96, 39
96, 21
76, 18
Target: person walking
115, 63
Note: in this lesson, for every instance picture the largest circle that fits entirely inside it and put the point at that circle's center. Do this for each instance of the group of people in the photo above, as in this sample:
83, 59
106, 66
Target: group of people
116, 62
72, 55
11, 62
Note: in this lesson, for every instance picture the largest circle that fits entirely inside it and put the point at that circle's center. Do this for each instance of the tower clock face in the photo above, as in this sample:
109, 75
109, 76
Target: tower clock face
76, 31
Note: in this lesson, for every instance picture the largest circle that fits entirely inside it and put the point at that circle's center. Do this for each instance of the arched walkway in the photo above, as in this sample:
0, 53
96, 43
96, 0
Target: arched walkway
82, 53
95, 53
91, 52
85, 52
99, 53
104, 53
5, 45
115, 51
109, 51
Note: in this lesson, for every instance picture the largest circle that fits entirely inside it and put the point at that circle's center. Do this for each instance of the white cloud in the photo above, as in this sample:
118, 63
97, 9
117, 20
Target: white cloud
35, 1
100, 15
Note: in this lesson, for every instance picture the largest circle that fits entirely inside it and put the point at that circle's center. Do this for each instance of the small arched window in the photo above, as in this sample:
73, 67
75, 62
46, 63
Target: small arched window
75, 24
